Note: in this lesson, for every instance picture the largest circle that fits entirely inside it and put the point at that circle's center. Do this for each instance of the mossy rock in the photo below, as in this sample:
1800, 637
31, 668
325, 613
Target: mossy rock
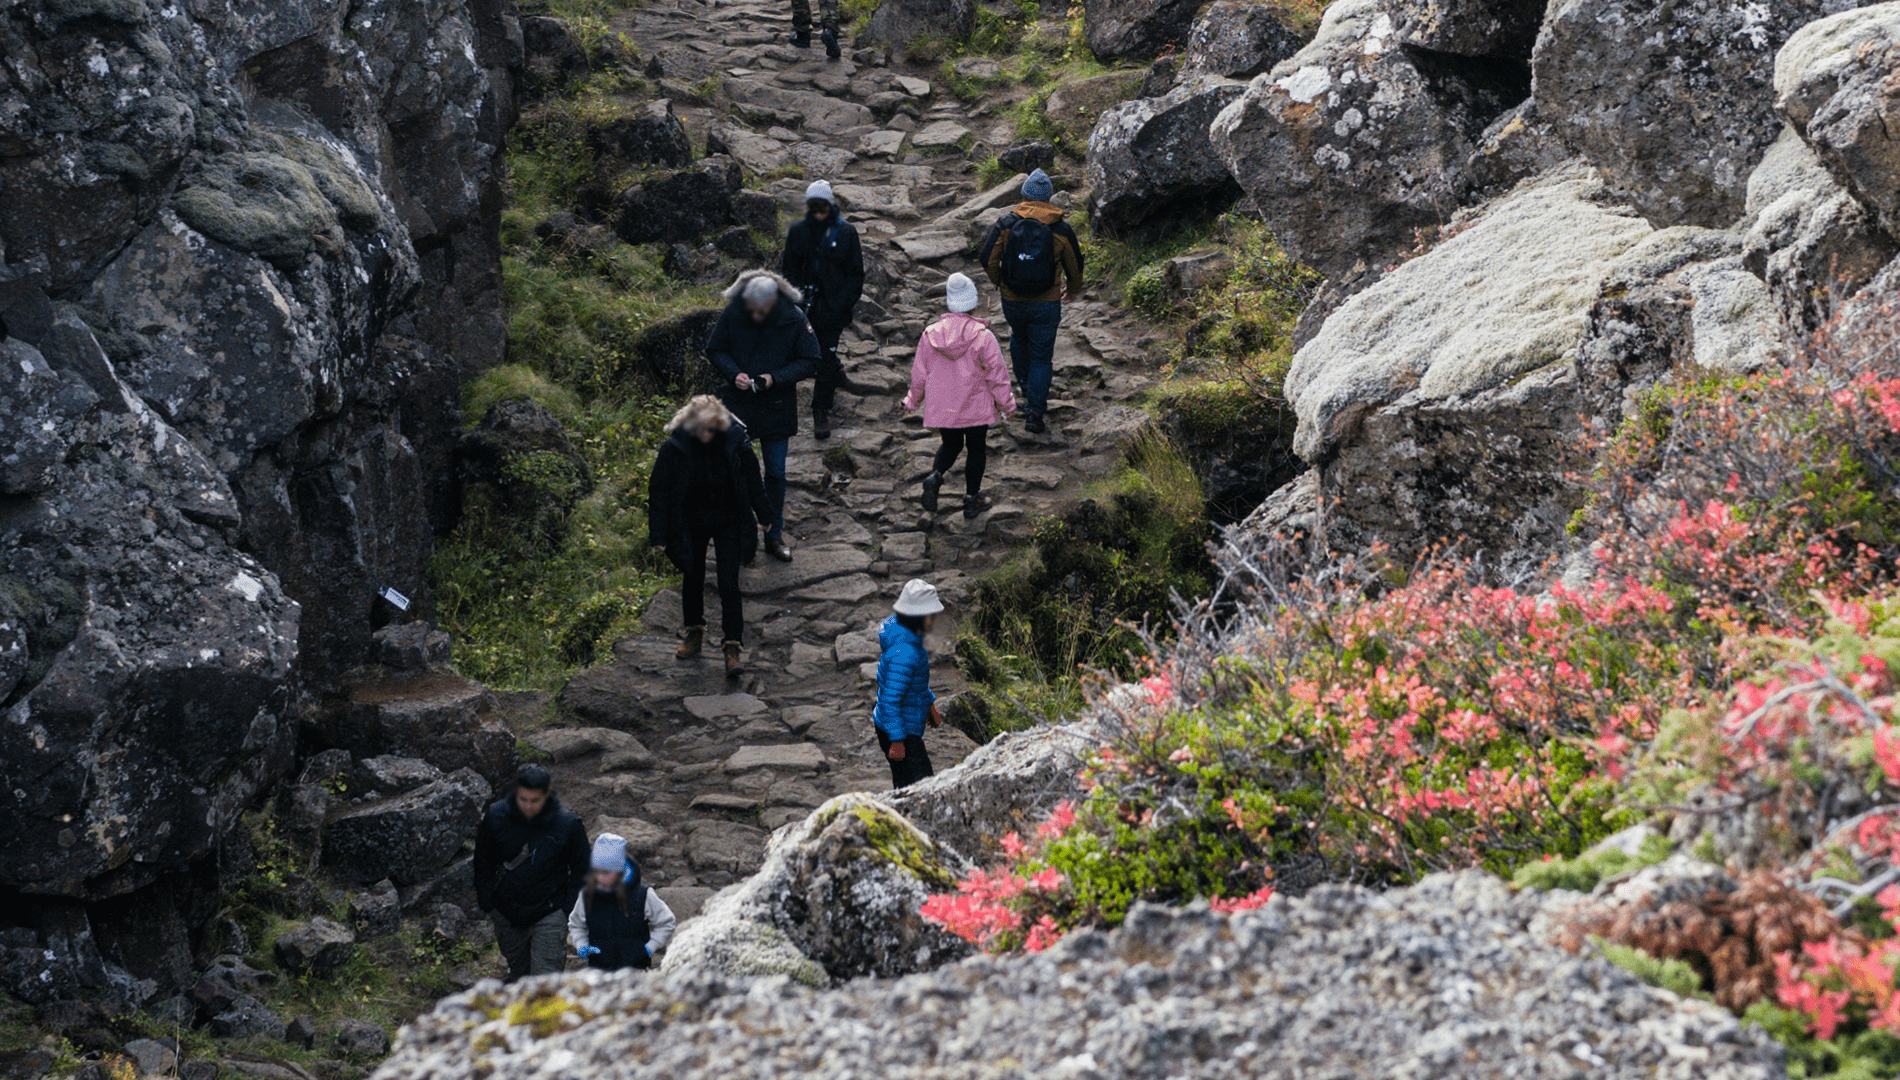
279, 201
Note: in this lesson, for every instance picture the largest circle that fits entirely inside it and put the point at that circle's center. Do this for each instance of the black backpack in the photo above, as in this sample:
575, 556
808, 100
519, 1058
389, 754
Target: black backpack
1029, 257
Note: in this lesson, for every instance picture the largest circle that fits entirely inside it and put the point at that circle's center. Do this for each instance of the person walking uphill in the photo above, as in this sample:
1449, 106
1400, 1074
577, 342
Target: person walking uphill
531, 858
904, 701
706, 489
618, 922
761, 346
959, 377
1034, 258
823, 258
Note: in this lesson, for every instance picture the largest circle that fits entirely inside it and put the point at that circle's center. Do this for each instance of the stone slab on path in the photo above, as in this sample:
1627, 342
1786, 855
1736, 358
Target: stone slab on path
820, 113
564, 744
939, 134
931, 246
855, 648
808, 566
723, 706
850, 589
790, 757
881, 144
643, 837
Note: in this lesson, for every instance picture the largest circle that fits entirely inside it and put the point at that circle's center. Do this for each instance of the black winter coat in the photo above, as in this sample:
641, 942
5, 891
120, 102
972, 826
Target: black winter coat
671, 483
548, 879
621, 936
829, 266
783, 346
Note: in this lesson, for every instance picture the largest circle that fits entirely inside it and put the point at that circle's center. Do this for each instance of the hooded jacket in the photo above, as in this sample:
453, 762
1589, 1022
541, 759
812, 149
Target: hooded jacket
903, 682
826, 261
669, 488
783, 346
625, 938
959, 375
550, 856
1068, 251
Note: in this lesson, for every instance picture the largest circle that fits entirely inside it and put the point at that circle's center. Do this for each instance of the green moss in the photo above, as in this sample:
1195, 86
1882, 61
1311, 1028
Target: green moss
1585, 871
545, 1013
900, 843
1674, 976
261, 203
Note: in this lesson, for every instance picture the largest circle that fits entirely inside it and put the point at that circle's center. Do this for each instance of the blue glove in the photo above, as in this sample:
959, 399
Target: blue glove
649, 950
586, 951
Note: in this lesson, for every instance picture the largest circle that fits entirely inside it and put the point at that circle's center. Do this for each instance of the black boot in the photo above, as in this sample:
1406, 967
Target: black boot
932, 483
973, 507
830, 37
1035, 426
820, 423
801, 39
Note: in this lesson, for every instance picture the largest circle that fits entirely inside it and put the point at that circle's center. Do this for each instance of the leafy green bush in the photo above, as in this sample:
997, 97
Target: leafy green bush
1583, 872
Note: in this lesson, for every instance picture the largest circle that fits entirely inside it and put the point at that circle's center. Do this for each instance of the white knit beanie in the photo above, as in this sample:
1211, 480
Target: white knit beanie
959, 293
610, 851
819, 189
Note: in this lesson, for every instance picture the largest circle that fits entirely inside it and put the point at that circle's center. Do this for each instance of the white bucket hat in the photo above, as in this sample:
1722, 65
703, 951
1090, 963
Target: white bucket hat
959, 293
918, 598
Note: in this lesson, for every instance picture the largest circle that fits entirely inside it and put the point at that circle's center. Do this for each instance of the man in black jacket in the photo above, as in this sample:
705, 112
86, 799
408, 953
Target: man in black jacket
823, 258
706, 489
531, 859
761, 346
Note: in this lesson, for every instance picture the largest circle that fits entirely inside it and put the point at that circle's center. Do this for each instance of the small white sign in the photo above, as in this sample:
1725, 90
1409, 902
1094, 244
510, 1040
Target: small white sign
396, 598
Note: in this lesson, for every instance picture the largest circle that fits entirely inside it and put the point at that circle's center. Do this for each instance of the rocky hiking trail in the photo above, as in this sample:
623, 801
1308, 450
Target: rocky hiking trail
694, 769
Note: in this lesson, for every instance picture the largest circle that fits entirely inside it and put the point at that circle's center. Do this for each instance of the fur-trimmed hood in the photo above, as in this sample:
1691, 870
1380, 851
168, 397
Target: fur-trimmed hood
785, 288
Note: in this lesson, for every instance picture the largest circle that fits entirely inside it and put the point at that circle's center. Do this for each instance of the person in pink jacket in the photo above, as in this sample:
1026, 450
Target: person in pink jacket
960, 380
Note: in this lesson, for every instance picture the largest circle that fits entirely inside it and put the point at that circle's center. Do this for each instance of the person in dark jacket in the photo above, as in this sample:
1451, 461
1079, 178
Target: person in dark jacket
905, 703
618, 922
801, 25
1034, 311
531, 858
762, 346
706, 489
823, 258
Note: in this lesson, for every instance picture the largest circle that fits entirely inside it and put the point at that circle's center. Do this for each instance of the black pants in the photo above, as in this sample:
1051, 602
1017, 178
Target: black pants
692, 563
824, 390
801, 17
954, 442
916, 763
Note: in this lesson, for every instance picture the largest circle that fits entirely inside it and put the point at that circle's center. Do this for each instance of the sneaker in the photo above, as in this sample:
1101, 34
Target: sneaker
1035, 426
801, 39
778, 550
735, 666
973, 506
690, 642
821, 423
830, 38
932, 484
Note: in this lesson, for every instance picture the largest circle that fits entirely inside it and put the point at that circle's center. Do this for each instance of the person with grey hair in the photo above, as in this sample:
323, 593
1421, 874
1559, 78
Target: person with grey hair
762, 346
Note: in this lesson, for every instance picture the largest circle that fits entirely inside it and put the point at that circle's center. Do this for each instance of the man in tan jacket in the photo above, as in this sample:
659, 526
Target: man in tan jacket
1035, 260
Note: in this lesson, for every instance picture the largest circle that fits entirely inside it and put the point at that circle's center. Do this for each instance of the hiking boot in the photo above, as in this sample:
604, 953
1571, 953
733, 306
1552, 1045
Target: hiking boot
690, 642
779, 550
801, 39
973, 506
820, 423
735, 667
830, 37
932, 484
1035, 426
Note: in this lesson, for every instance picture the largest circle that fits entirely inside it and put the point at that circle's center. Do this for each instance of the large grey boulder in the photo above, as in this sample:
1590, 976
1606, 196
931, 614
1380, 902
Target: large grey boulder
1504, 29
1354, 145
1836, 84
1441, 979
896, 22
442, 718
1808, 236
837, 897
1008, 785
1238, 39
407, 838
1136, 29
1150, 162
1674, 102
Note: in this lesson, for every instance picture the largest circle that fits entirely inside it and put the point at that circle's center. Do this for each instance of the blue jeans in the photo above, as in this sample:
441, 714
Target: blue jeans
1032, 349
772, 457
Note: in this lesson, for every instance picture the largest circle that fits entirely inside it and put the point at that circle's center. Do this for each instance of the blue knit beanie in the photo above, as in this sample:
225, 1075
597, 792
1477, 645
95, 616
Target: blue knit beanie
1038, 188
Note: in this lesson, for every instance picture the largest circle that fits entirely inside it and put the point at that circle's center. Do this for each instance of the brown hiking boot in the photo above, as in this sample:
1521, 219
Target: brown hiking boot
690, 642
735, 667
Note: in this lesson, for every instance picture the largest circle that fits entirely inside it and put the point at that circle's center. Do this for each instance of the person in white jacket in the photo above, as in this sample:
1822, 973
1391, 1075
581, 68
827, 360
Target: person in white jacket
617, 922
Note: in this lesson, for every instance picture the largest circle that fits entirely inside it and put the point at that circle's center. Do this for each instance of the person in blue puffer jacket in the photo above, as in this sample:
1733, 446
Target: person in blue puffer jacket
904, 701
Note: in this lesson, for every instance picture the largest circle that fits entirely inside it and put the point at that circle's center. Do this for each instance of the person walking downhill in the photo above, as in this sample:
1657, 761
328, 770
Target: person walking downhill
823, 258
1034, 258
531, 859
801, 25
905, 703
617, 922
959, 378
706, 489
762, 346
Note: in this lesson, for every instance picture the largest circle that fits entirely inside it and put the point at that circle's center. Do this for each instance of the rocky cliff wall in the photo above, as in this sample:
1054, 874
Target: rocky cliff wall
248, 254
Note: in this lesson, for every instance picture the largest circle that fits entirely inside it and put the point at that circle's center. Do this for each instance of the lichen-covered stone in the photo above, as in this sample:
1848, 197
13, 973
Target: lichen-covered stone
1807, 236
1008, 785
1237, 39
1136, 29
1441, 979
1150, 163
1836, 84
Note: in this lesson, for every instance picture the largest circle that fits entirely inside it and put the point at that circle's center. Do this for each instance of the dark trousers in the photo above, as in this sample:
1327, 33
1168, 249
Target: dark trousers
772, 454
801, 15
1032, 349
539, 949
824, 390
916, 763
954, 442
692, 564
